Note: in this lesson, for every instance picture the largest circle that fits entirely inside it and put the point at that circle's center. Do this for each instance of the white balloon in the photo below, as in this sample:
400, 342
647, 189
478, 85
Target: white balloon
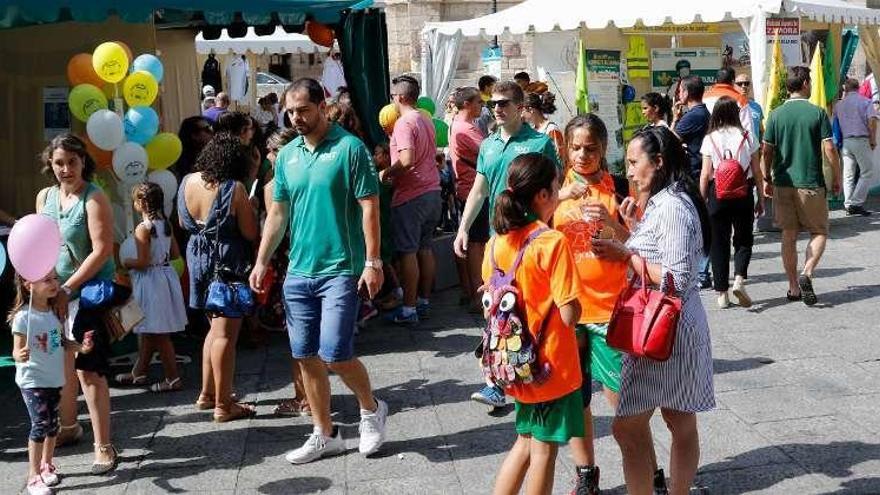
168, 182
105, 130
130, 163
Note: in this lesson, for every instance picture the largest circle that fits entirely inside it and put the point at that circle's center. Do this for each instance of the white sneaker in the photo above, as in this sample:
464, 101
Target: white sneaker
36, 486
723, 301
372, 428
739, 292
316, 447
49, 474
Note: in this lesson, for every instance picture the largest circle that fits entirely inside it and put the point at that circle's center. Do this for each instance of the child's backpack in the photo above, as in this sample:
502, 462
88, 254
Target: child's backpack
731, 181
508, 354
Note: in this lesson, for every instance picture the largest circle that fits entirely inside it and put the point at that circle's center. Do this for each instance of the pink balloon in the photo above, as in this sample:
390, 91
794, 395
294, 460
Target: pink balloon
34, 246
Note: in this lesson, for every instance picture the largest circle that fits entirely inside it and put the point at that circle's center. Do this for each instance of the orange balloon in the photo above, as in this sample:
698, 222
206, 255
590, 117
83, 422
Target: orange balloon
103, 159
80, 71
320, 34
127, 51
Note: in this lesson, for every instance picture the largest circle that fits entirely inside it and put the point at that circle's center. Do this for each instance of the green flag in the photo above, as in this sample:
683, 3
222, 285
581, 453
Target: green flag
830, 71
581, 101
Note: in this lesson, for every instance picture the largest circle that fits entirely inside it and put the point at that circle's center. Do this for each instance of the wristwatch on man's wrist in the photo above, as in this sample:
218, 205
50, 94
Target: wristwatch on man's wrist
67, 290
375, 263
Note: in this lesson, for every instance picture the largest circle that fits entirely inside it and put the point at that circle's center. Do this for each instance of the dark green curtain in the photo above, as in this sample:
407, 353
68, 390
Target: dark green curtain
850, 42
363, 41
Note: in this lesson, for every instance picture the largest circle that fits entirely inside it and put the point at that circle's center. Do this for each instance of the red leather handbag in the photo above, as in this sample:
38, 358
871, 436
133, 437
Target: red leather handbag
644, 320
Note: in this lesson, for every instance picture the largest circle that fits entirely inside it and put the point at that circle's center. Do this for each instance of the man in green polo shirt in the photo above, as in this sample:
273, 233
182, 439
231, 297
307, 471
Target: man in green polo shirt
512, 138
797, 134
327, 188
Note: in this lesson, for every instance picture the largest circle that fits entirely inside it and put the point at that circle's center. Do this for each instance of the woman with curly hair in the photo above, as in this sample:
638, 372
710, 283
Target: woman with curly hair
214, 209
536, 108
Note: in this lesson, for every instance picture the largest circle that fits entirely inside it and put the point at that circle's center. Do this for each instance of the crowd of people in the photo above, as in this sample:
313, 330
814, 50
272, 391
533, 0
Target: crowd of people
534, 198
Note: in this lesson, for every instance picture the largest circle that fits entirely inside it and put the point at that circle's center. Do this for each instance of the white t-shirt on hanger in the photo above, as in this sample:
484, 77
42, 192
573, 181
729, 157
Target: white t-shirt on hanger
237, 73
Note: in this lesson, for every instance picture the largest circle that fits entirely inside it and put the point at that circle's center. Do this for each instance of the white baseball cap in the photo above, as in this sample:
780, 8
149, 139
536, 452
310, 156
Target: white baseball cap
208, 90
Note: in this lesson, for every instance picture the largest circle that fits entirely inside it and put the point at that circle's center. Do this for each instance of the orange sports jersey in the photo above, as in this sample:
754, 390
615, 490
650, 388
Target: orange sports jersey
602, 280
546, 279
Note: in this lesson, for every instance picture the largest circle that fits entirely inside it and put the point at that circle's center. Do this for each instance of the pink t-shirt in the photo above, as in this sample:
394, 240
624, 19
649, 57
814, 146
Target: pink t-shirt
415, 132
464, 147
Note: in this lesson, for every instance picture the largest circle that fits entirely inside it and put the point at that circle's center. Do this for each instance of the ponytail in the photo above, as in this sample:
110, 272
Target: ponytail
528, 175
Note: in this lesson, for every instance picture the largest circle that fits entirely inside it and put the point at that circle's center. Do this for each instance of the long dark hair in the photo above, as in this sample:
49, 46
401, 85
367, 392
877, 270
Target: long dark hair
152, 200
528, 175
595, 126
661, 103
660, 142
70, 144
725, 114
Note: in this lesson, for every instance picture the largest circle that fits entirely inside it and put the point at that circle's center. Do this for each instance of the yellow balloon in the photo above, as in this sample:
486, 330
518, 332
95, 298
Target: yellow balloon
84, 100
140, 89
163, 150
387, 117
110, 62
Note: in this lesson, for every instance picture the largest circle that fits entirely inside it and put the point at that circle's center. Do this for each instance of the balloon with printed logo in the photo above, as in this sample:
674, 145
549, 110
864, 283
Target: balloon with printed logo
84, 100
141, 124
441, 133
426, 103
149, 63
128, 53
34, 245
103, 159
80, 71
163, 150
105, 130
388, 117
110, 62
130, 163
140, 89
166, 180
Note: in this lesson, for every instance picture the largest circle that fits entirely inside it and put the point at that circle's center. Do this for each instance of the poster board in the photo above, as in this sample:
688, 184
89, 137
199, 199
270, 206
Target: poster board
669, 65
789, 29
56, 115
490, 59
603, 92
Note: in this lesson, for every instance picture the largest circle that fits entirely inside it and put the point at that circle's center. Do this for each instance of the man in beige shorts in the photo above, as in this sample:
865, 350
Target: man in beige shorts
797, 134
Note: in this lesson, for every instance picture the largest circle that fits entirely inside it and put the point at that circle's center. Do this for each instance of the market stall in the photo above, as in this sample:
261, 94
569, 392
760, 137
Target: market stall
644, 43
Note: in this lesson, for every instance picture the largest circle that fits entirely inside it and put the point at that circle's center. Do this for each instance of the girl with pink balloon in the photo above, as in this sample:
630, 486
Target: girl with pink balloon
84, 217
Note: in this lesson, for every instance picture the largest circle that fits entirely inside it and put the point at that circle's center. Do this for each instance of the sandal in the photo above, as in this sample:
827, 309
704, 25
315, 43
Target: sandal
129, 379
793, 298
235, 411
205, 402
106, 466
292, 408
806, 285
69, 435
167, 385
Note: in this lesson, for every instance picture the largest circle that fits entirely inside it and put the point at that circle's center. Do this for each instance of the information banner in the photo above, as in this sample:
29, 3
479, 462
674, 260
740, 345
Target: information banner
56, 115
603, 91
490, 59
669, 65
789, 29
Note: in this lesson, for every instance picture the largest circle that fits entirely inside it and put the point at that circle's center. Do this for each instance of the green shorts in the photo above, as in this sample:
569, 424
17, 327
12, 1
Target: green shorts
602, 363
556, 421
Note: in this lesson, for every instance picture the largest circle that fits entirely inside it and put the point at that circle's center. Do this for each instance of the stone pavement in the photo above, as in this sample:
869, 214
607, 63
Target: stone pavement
798, 393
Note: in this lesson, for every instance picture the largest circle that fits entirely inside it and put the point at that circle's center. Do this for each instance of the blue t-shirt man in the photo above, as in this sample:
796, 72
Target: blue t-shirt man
691, 128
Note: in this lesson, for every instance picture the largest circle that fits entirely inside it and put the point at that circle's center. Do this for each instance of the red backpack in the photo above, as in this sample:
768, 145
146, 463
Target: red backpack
731, 181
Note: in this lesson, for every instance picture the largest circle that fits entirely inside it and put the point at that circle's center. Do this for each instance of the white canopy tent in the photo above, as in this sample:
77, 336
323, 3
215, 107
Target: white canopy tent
442, 39
278, 42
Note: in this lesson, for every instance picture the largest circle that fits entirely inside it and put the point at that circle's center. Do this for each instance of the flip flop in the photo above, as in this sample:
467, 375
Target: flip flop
806, 285
129, 379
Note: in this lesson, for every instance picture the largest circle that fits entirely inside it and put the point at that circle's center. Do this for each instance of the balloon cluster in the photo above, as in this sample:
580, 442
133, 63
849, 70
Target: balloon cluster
389, 114
130, 143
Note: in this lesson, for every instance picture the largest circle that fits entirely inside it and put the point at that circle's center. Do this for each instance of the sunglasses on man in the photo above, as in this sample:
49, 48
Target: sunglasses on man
499, 103
743, 84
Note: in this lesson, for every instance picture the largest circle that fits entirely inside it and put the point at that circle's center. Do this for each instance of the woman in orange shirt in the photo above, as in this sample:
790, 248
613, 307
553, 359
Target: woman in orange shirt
589, 201
548, 411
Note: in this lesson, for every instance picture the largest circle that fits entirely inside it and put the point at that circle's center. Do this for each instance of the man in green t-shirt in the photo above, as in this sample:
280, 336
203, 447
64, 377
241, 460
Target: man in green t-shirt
796, 136
512, 138
327, 188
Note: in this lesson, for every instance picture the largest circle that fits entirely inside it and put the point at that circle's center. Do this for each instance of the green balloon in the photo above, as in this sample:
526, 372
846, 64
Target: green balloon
84, 100
441, 131
427, 104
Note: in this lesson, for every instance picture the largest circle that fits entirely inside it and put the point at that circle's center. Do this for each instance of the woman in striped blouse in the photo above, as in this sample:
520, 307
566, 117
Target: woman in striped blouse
672, 236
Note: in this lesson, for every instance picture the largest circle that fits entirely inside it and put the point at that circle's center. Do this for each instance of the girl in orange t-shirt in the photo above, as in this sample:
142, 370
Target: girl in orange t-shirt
547, 412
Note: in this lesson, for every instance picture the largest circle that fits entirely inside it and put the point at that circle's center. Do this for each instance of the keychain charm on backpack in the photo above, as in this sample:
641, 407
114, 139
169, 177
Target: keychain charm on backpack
509, 353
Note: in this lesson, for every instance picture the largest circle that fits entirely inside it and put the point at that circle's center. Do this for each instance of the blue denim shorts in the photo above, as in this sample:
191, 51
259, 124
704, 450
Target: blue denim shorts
321, 316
